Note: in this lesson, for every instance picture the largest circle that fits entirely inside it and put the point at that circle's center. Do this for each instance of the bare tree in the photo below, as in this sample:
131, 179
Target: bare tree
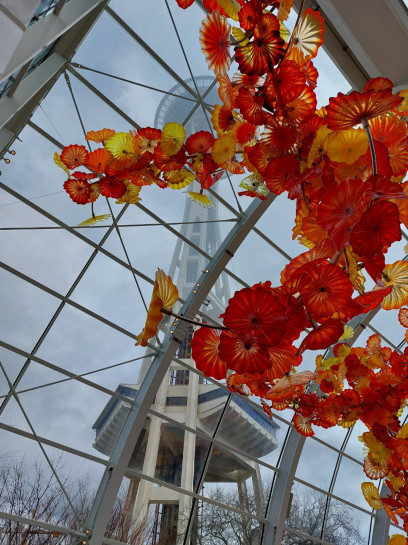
310, 510
34, 493
217, 526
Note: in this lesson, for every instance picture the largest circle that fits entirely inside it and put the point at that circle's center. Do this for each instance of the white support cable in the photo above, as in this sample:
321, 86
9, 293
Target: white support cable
63, 371
54, 382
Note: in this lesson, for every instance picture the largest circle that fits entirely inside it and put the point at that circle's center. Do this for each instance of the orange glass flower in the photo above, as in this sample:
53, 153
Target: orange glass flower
346, 111
215, 42
74, 156
243, 354
204, 351
78, 190
256, 313
325, 289
377, 229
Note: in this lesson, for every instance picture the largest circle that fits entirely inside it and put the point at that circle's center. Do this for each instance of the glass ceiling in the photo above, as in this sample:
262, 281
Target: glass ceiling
75, 300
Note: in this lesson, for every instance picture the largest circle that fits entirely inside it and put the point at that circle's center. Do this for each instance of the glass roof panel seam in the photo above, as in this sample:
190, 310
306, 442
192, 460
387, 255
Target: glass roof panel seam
69, 301
63, 371
47, 458
149, 50
56, 314
73, 232
53, 444
102, 96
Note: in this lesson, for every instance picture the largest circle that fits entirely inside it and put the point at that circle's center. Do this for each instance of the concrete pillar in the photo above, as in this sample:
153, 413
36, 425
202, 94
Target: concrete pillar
141, 505
187, 472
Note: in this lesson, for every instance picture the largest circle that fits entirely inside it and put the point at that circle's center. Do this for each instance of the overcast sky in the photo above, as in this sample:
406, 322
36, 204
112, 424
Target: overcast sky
77, 342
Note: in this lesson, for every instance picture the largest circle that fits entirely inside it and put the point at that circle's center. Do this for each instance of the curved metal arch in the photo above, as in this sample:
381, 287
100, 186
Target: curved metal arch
113, 475
280, 496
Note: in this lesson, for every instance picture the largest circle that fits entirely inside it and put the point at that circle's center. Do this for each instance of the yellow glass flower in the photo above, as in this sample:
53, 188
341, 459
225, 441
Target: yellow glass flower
371, 495
177, 179
347, 146
59, 163
199, 198
165, 294
94, 219
378, 452
172, 139
131, 195
232, 7
318, 145
120, 146
397, 539
396, 275
223, 149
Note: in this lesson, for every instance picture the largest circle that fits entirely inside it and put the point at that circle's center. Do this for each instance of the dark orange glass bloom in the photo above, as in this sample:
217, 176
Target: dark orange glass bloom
184, 4
282, 357
247, 16
323, 336
257, 313
215, 42
382, 188
301, 107
280, 174
243, 354
398, 155
78, 190
74, 156
204, 351
346, 111
281, 137
388, 129
377, 229
166, 162
341, 209
251, 106
285, 83
146, 140
79, 175
302, 424
96, 161
265, 24
112, 187
259, 56
325, 289
199, 142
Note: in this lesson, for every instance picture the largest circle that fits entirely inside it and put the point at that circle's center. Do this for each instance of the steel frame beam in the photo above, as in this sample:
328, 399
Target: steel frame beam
46, 31
70, 26
381, 522
280, 497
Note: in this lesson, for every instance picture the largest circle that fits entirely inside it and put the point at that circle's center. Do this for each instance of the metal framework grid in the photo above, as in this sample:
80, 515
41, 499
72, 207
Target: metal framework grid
53, 358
